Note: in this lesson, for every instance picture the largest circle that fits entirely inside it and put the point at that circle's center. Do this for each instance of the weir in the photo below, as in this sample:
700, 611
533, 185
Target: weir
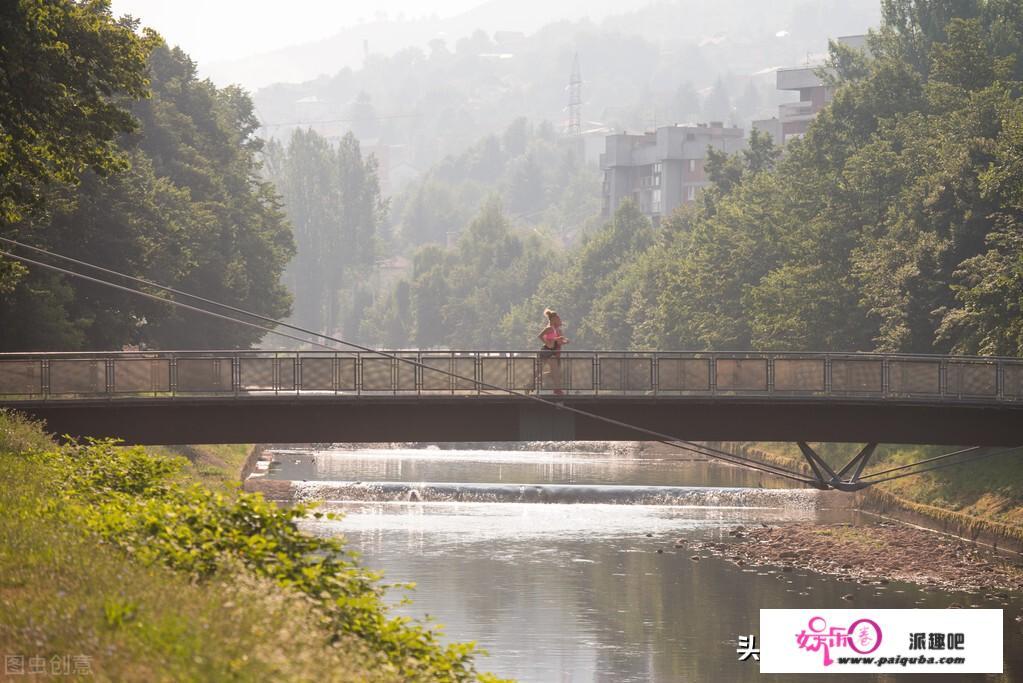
685, 496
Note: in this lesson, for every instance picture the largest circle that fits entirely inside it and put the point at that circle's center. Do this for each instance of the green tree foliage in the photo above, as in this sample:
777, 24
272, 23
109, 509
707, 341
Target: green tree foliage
893, 225
989, 286
189, 210
60, 64
332, 198
130, 499
586, 286
544, 182
456, 298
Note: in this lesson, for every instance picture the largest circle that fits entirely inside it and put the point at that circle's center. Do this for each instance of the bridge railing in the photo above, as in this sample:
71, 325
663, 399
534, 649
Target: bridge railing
61, 376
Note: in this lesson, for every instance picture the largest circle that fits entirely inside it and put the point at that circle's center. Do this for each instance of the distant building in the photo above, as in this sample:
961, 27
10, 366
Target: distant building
794, 117
663, 169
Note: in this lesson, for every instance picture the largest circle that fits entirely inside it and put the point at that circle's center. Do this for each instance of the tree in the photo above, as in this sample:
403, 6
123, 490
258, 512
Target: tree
189, 210
685, 104
718, 104
63, 65
583, 279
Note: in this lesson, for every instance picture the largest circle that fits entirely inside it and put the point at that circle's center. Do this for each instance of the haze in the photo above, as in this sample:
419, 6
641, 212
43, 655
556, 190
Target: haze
223, 37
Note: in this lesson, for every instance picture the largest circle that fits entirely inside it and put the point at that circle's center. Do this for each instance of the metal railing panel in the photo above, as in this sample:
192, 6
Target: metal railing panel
625, 373
496, 371
66, 376
971, 379
799, 374
1012, 380
464, 366
683, 374
287, 373
434, 377
141, 376
639, 374
316, 373
21, 377
610, 374
406, 373
914, 377
256, 374
523, 372
198, 375
78, 376
577, 374
347, 373
741, 374
377, 374
854, 376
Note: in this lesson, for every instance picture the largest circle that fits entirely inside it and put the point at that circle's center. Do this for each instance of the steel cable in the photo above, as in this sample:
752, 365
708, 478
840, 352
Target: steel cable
921, 462
660, 437
975, 458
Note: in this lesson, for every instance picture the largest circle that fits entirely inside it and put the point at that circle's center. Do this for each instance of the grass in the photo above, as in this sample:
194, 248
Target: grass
116, 560
217, 466
987, 493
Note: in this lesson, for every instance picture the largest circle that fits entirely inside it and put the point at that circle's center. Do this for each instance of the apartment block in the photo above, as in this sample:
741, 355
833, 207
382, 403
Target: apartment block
794, 117
663, 169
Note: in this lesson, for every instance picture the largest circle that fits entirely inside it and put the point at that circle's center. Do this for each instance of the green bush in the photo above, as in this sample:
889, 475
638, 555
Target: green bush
132, 501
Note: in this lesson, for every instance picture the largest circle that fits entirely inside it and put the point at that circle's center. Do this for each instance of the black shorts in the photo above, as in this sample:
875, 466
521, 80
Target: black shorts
547, 354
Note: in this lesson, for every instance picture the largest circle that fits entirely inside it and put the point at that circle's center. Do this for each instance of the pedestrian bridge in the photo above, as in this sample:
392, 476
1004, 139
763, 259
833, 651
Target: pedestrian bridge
285, 396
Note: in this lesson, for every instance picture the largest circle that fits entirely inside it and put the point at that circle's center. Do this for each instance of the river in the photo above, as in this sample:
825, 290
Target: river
573, 565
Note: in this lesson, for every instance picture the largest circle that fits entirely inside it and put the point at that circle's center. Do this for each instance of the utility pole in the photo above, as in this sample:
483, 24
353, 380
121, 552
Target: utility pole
575, 90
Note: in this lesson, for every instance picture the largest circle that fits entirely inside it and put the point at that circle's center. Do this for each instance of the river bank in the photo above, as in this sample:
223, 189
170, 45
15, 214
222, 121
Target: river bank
873, 554
151, 564
982, 502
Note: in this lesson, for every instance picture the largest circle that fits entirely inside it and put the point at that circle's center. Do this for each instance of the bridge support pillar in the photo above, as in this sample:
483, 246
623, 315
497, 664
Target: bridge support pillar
827, 478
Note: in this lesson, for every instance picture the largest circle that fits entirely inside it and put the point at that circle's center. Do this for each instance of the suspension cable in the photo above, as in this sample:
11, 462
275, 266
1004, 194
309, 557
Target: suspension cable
154, 297
975, 458
921, 462
660, 437
705, 450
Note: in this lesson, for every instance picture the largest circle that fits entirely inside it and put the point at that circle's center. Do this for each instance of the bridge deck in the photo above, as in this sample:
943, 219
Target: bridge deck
242, 396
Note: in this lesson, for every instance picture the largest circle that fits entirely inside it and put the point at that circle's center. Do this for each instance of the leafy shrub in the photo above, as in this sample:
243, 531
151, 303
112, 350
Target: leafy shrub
129, 498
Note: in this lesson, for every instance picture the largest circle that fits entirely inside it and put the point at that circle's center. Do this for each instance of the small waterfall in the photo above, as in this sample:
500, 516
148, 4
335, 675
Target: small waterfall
694, 496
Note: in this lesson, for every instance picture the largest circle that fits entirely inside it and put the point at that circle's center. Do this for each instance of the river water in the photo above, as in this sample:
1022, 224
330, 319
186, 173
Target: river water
564, 564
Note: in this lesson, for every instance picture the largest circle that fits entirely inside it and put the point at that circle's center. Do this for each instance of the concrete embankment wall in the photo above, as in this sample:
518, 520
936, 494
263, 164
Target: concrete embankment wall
1000, 536
879, 501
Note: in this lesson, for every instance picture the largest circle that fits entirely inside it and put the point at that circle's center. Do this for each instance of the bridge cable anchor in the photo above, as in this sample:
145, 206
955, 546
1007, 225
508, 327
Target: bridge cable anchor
827, 478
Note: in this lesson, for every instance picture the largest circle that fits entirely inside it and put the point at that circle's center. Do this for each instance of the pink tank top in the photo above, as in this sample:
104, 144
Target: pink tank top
550, 338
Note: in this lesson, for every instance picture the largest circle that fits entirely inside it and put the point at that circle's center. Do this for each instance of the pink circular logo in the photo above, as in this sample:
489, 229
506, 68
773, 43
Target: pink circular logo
864, 636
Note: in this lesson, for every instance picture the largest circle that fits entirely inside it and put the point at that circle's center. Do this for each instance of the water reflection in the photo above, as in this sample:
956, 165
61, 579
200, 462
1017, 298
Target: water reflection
581, 592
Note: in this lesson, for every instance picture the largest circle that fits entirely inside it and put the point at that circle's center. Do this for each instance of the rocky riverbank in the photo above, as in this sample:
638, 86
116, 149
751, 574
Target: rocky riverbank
874, 553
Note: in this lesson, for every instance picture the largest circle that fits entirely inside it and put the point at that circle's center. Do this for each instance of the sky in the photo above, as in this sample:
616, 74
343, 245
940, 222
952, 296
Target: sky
221, 30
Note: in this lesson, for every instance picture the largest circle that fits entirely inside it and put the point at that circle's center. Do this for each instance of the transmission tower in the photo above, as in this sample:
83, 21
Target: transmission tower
575, 91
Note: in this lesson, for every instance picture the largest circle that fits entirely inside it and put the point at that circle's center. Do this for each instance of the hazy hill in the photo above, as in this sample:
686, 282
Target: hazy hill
350, 45
428, 101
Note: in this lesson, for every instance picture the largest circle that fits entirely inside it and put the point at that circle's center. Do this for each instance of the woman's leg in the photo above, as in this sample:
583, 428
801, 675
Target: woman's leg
541, 370
556, 375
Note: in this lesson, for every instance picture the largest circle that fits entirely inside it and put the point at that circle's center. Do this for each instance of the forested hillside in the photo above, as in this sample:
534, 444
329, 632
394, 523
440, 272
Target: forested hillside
682, 60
